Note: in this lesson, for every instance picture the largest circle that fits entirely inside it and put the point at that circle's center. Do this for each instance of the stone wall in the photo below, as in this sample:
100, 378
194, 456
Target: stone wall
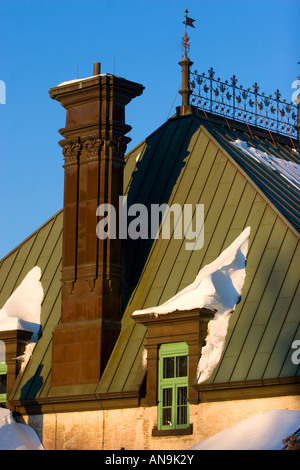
131, 428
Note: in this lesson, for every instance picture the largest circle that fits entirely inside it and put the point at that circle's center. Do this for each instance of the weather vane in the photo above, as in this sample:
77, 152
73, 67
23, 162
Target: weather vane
186, 40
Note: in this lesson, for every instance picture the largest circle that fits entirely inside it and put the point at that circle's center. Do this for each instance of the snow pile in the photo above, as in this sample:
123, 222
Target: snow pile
76, 80
218, 286
16, 436
22, 310
264, 431
289, 170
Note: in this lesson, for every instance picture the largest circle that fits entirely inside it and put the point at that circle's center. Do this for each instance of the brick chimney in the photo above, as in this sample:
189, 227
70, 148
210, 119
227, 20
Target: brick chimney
94, 146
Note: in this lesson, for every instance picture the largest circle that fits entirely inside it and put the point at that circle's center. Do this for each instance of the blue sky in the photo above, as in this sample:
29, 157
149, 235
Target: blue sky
45, 42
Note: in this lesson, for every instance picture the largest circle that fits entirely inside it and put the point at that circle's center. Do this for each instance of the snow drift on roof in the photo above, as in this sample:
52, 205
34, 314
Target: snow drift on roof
288, 170
218, 286
16, 436
264, 431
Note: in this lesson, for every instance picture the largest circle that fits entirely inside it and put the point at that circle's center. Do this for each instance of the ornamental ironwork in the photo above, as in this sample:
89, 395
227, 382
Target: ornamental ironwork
235, 102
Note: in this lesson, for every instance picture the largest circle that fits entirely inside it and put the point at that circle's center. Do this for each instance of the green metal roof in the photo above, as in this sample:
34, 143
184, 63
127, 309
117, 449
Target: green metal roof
188, 160
42, 248
285, 196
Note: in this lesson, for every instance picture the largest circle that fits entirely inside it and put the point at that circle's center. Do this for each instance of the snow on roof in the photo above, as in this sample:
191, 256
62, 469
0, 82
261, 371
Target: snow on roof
16, 436
263, 431
289, 170
2, 351
218, 286
22, 310
70, 82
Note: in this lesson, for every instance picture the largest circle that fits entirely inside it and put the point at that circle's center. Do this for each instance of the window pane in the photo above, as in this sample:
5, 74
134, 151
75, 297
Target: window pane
182, 405
2, 383
167, 417
182, 415
181, 395
167, 397
181, 366
168, 369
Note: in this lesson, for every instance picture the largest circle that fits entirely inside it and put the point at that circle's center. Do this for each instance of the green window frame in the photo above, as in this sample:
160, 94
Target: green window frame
173, 405
3, 373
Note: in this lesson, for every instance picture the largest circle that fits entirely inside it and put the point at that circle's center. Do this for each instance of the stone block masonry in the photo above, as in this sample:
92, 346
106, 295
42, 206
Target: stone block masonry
131, 428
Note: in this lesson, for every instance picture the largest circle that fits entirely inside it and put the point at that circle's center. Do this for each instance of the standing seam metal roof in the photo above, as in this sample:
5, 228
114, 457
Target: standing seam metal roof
185, 161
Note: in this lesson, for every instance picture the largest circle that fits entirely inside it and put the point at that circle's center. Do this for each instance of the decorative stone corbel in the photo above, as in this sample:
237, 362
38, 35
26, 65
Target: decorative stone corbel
71, 152
93, 147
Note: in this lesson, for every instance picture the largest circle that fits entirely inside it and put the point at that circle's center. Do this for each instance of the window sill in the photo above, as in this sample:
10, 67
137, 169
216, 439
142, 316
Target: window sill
172, 432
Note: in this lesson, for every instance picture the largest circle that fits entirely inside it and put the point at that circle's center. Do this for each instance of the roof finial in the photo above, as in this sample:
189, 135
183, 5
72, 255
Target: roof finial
186, 40
186, 63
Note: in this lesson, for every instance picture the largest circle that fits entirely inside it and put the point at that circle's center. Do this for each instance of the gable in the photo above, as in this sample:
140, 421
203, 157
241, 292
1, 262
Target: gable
256, 349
